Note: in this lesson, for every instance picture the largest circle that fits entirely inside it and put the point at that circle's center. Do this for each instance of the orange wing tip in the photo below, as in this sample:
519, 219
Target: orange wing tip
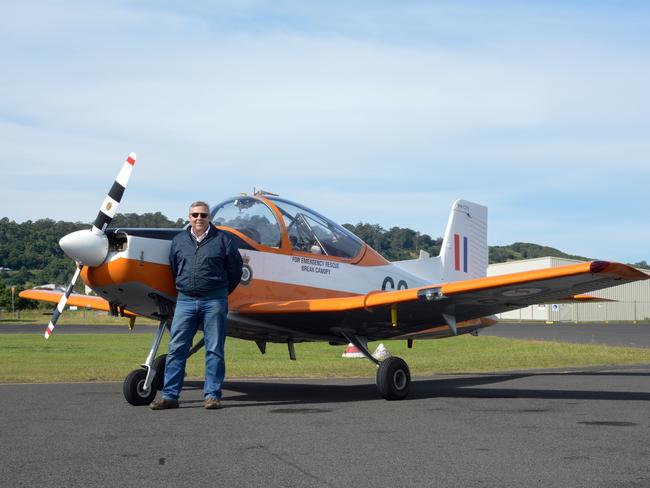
598, 266
619, 269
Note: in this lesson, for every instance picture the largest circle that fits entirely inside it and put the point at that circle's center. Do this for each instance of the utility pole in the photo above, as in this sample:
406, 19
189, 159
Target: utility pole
13, 293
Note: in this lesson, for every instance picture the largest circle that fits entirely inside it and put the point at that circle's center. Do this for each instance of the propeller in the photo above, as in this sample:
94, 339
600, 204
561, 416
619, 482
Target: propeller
89, 247
61, 305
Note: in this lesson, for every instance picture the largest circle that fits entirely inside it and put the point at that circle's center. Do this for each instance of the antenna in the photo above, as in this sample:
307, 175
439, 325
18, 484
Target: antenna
261, 192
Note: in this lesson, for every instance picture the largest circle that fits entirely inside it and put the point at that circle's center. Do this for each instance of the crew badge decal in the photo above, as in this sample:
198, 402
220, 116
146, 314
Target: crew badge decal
246, 271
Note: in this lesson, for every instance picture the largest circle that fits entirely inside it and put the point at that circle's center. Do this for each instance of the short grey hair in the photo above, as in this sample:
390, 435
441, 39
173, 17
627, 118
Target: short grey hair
200, 203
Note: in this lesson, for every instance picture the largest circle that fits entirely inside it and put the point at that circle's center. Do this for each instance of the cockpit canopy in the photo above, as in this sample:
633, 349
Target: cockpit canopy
276, 223
250, 216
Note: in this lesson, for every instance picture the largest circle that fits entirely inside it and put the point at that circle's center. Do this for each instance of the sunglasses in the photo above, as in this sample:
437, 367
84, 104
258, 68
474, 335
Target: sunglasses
196, 215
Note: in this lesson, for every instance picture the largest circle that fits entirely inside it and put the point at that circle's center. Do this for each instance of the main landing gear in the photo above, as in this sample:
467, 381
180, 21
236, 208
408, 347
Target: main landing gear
393, 375
140, 385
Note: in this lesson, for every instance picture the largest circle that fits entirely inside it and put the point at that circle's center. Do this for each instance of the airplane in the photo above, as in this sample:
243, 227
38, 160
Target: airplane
306, 278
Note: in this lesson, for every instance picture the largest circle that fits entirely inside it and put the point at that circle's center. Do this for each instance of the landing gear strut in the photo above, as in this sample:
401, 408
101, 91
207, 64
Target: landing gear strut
140, 385
393, 375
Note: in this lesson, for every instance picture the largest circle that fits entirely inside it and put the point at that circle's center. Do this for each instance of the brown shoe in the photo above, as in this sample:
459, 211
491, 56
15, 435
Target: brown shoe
211, 403
163, 404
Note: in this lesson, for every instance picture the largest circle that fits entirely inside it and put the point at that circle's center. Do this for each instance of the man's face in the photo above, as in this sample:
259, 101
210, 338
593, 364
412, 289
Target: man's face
199, 219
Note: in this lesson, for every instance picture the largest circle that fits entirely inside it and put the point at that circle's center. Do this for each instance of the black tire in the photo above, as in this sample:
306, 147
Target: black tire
132, 388
159, 366
393, 378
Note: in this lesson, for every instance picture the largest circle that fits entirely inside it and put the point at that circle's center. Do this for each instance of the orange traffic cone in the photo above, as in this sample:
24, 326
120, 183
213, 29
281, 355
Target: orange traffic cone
352, 351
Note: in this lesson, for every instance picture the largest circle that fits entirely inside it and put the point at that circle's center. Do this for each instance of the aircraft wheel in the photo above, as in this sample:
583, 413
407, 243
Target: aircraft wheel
132, 388
393, 378
159, 366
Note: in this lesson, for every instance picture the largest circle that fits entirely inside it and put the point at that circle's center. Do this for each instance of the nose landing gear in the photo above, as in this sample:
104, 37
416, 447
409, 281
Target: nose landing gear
140, 385
134, 390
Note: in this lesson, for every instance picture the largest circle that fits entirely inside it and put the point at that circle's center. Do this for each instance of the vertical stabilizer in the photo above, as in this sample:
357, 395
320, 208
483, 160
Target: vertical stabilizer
464, 252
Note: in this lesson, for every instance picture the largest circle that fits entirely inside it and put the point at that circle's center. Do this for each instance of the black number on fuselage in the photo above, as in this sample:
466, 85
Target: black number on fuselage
388, 280
401, 284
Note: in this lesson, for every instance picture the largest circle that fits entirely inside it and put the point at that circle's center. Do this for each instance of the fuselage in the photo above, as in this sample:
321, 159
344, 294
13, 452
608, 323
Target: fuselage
289, 253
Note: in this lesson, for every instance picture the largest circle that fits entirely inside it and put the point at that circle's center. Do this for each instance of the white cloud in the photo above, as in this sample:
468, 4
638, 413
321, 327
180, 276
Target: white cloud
335, 106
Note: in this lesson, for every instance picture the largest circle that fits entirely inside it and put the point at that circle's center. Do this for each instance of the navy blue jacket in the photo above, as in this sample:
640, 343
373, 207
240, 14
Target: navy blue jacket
210, 269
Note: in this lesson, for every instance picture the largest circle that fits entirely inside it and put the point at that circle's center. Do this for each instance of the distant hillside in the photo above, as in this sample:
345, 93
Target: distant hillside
30, 254
399, 243
526, 250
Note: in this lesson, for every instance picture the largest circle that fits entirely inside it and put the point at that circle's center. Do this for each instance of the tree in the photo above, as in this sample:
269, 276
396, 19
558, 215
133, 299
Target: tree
642, 264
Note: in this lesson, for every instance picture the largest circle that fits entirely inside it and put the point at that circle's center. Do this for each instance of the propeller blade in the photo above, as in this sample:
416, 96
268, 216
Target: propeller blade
61, 305
109, 206
90, 246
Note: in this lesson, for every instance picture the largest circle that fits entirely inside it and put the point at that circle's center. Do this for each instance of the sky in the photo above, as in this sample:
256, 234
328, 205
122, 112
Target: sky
378, 112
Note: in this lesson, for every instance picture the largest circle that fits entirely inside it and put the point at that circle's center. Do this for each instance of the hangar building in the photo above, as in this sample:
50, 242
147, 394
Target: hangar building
632, 300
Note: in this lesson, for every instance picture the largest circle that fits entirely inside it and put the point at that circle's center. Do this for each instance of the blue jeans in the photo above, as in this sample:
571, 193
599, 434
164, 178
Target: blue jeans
189, 314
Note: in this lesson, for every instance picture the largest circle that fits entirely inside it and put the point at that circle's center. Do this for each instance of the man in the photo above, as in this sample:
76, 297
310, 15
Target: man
207, 267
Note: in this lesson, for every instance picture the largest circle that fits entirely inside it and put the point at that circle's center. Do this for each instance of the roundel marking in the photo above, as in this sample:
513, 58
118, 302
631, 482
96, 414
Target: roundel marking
246, 274
521, 292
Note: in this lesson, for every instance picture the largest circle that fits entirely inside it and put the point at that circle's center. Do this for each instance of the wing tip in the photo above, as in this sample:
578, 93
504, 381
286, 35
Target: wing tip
618, 269
598, 266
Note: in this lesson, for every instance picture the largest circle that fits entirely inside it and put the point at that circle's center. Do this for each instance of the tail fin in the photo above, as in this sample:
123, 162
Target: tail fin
464, 252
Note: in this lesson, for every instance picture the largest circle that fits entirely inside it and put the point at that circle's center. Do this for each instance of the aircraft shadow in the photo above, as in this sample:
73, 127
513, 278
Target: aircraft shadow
488, 386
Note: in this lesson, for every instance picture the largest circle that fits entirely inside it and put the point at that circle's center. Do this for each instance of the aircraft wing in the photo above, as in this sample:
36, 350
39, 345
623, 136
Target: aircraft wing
86, 301
427, 309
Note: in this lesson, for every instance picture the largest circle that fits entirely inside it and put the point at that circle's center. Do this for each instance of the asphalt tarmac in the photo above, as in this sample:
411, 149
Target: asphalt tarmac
76, 329
631, 335
585, 427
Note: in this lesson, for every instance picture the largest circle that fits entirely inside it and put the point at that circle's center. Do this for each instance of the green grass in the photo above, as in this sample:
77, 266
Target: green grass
107, 357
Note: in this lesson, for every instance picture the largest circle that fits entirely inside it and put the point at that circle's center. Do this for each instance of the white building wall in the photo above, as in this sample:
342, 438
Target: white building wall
632, 300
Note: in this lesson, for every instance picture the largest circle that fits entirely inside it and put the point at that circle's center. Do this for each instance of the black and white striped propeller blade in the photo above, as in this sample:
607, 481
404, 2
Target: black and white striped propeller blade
61, 305
109, 207
89, 247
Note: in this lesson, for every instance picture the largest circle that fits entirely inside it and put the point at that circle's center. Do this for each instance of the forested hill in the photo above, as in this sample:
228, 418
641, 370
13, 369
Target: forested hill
30, 249
399, 243
526, 250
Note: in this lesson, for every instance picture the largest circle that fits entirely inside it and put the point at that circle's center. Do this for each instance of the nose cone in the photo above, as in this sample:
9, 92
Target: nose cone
85, 246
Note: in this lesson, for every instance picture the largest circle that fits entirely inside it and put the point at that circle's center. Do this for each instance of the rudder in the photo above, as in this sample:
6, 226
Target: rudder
464, 251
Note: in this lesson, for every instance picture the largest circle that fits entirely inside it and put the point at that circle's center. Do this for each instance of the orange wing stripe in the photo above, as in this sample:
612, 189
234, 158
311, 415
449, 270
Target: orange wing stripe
376, 298
96, 303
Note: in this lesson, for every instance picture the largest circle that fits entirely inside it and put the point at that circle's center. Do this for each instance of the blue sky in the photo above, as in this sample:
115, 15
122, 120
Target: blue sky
382, 112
